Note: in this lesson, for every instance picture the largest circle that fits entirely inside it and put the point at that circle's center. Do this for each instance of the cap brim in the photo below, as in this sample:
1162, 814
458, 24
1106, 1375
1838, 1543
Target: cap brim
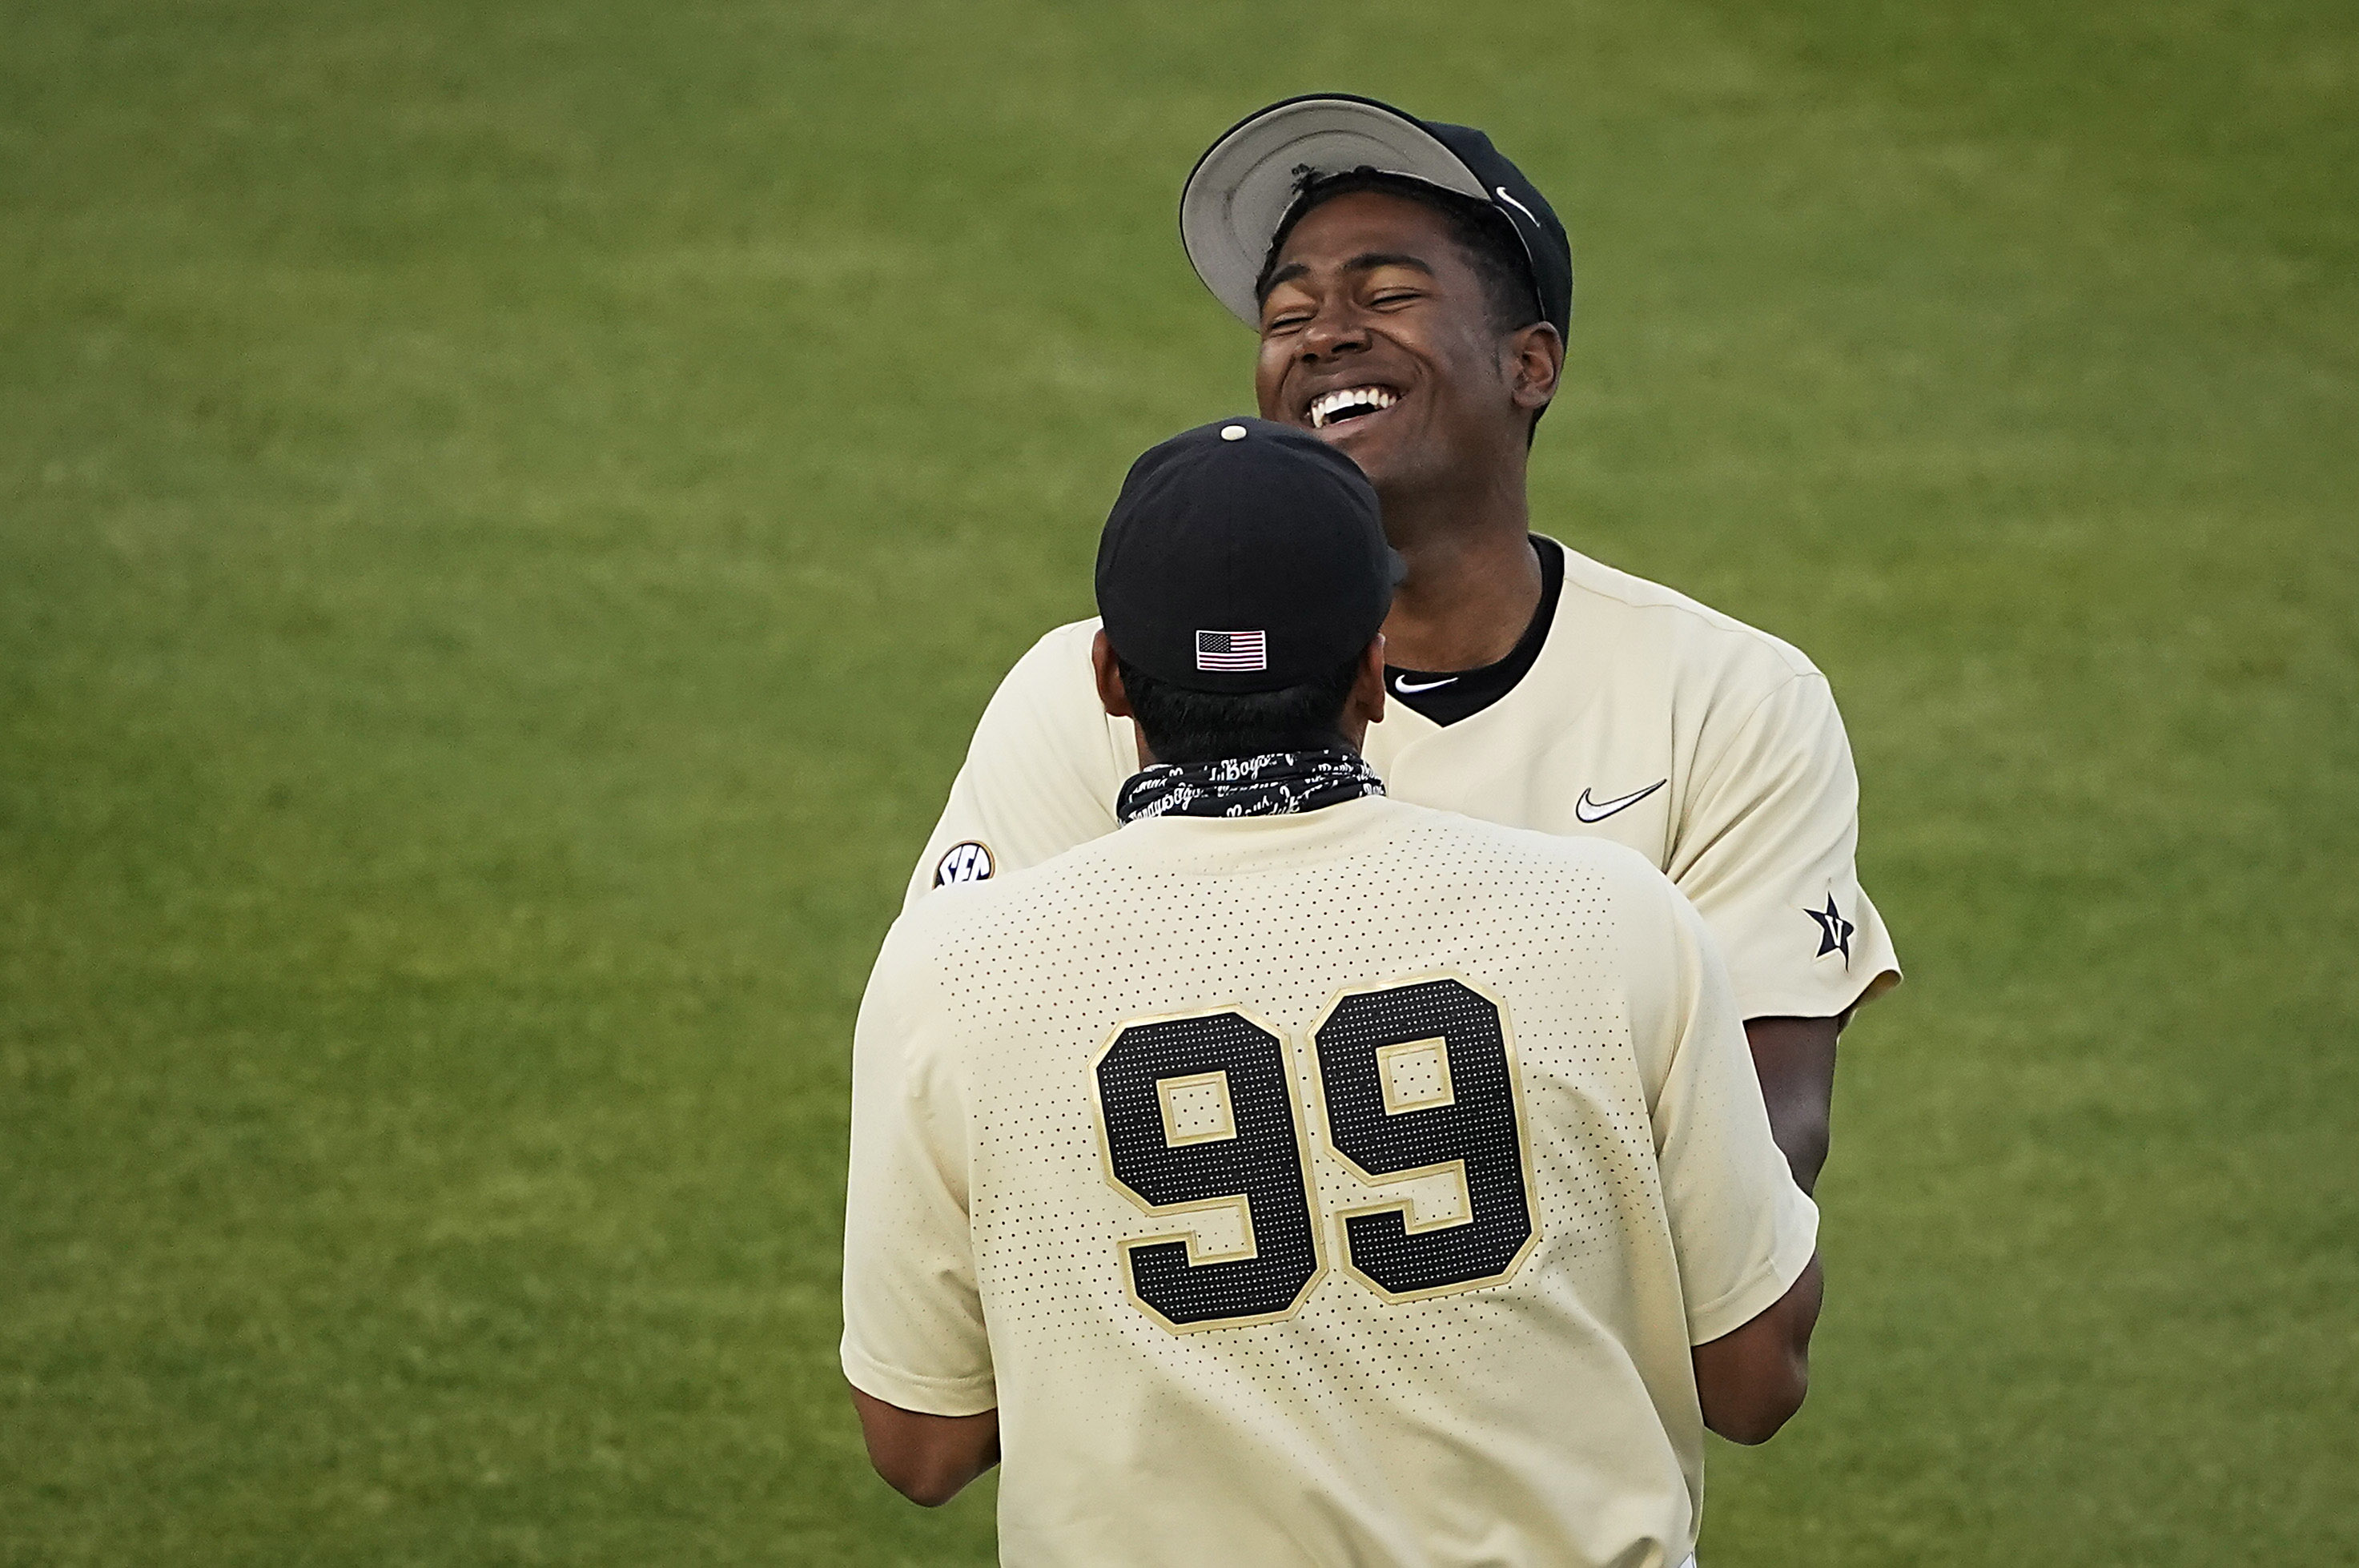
1242, 186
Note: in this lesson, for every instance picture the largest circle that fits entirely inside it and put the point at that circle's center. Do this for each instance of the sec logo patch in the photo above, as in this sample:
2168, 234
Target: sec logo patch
968, 862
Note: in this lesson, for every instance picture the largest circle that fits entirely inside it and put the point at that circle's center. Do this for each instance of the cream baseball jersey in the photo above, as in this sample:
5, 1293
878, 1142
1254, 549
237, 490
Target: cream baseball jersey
1339, 1188
1713, 750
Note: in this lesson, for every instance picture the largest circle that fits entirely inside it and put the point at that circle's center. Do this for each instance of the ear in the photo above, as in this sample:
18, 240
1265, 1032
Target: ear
1534, 358
1366, 705
1111, 696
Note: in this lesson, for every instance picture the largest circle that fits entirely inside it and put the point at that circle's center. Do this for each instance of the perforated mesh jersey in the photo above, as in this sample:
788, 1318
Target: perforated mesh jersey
1291, 1185
1642, 716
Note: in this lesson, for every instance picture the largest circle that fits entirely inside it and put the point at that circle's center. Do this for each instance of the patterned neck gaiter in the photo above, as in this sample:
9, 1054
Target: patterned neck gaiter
1273, 784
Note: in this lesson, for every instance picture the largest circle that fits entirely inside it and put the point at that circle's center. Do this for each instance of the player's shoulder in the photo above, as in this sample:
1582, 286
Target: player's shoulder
1049, 699
1051, 676
1496, 855
1684, 629
1579, 892
1058, 655
962, 916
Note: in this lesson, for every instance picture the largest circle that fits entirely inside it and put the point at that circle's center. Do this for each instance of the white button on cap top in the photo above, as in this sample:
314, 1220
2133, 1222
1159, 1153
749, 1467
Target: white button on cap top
1232, 432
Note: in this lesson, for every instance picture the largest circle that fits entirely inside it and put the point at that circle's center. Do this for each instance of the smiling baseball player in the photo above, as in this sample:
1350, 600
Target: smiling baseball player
1298, 1178
1412, 291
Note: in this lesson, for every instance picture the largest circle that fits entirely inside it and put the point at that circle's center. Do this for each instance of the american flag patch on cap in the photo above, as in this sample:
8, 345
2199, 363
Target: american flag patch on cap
1232, 650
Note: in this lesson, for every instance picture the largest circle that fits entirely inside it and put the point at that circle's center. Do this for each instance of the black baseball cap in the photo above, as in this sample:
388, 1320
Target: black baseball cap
1246, 184
1243, 556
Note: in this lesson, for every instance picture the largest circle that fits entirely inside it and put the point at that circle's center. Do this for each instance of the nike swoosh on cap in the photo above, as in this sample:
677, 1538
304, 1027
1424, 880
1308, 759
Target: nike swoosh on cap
1589, 810
1404, 684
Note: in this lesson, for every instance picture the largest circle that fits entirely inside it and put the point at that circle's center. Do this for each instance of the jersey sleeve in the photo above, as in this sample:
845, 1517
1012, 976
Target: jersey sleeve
1765, 851
1741, 1229
913, 1325
1040, 775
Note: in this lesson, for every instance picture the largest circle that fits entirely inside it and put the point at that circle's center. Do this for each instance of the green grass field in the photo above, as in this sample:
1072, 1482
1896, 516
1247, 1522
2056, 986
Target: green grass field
507, 514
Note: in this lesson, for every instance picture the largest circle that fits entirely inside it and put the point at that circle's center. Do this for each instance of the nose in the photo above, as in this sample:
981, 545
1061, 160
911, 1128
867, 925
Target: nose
1338, 328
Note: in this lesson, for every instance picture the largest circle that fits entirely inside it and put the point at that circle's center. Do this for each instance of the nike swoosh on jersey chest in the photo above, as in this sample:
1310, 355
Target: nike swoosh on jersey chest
1599, 780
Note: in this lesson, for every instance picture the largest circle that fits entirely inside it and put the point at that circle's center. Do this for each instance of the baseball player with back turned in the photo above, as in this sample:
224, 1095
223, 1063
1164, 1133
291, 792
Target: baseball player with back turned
1412, 291
1296, 1176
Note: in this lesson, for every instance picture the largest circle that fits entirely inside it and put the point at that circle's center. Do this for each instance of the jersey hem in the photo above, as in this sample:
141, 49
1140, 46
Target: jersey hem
910, 1392
1781, 1004
1765, 1287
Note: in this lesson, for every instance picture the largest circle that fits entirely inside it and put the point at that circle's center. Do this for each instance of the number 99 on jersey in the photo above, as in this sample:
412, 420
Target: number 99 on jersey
1196, 1112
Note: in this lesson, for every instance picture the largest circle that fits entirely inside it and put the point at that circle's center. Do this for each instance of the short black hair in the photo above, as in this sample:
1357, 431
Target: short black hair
1181, 725
1486, 237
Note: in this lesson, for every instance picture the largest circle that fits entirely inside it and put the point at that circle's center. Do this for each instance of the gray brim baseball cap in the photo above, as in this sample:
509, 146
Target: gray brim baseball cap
1248, 181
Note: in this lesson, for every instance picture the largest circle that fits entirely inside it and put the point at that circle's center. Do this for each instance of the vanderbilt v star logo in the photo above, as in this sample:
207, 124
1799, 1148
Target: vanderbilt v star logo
1589, 810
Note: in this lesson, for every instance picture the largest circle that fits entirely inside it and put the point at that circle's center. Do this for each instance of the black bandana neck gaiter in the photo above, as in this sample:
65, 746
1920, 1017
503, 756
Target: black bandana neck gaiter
1274, 784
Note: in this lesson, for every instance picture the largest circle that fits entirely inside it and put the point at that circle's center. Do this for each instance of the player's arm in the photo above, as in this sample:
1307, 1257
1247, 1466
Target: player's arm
1752, 1381
1765, 851
1795, 1060
1744, 1232
915, 1350
1040, 775
927, 1459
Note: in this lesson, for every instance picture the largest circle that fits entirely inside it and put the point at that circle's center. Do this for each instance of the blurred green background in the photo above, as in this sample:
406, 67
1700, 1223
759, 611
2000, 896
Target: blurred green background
507, 514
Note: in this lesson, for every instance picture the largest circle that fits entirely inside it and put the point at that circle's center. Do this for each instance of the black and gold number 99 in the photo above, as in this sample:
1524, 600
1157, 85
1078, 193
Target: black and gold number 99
1417, 1079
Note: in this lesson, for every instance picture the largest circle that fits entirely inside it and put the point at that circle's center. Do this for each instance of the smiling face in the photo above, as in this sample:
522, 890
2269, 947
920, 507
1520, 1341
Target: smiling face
1376, 333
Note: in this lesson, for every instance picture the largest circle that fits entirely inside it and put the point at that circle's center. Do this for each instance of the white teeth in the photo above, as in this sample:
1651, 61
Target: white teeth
1328, 404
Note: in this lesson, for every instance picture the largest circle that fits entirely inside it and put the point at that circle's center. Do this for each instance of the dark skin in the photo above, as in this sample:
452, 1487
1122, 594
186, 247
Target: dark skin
927, 1459
1372, 290
1749, 1382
